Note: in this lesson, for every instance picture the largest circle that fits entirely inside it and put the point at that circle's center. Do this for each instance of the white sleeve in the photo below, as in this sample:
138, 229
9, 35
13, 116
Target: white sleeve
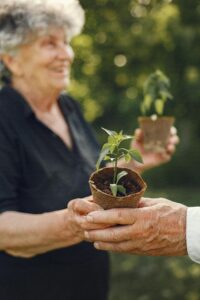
193, 233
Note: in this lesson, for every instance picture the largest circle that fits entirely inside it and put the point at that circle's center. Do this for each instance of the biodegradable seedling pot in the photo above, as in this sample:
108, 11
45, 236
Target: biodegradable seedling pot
156, 131
99, 184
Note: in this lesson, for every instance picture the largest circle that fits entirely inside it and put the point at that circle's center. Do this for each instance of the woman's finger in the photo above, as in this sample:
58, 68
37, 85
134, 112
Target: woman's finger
83, 206
82, 222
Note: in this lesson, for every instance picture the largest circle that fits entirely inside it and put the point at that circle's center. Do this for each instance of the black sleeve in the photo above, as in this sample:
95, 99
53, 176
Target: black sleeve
9, 170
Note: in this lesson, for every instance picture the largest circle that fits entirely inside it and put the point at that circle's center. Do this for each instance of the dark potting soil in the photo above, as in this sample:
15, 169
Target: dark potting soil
104, 182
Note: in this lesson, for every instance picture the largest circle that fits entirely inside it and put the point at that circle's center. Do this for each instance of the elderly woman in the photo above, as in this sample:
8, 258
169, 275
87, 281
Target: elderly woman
47, 152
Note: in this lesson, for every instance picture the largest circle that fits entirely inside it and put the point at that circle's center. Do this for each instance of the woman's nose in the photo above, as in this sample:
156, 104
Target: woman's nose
66, 52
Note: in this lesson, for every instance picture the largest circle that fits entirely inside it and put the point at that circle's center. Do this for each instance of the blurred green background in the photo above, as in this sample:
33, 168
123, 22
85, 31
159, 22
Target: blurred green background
122, 43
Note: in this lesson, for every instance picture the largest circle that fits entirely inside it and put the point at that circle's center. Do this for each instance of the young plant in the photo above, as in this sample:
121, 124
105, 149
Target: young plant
156, 90
112, 152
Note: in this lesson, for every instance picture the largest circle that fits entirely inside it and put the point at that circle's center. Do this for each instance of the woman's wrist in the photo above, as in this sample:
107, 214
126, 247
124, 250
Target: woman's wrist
43, 232
69, 230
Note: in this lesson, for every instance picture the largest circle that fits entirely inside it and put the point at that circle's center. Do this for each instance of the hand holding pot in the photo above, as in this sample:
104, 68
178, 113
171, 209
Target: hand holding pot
154, 159
156, 227
77, 211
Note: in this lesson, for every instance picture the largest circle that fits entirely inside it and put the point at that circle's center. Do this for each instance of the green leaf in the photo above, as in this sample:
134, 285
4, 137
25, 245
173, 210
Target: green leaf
159, 106
148, 101
113, 188
127, 137
165, 94
109, 132
106, 145
112, 148
109, 146
121, 189
123, 151
102, 155
120, 175
112, 140
135, 154
127, 157
108, 158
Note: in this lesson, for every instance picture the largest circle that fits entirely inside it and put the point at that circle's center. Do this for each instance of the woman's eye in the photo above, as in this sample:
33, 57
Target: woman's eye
51, 43
66, 43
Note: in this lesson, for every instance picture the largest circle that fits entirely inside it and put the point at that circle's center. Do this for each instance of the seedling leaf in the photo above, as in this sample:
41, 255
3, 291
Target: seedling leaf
120, 175
113, 188
121, 189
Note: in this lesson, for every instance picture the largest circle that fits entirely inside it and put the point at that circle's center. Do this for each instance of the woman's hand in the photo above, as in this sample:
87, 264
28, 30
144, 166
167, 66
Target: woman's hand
156, 227
152, 159
77, 212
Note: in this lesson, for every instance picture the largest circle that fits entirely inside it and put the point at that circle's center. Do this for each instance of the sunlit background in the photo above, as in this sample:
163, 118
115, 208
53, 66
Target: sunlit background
122, 43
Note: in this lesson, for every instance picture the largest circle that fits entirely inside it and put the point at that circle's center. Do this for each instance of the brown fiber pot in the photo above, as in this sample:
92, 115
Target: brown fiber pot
108, 201
156, 132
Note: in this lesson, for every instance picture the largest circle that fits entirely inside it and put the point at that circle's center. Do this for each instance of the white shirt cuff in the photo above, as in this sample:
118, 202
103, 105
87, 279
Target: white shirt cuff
193, 233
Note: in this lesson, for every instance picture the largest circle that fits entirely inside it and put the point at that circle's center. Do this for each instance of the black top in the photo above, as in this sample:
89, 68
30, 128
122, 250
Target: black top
38, 172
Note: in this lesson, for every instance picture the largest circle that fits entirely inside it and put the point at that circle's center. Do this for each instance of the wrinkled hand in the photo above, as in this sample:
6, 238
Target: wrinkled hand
151, 159
156, 227
77, 211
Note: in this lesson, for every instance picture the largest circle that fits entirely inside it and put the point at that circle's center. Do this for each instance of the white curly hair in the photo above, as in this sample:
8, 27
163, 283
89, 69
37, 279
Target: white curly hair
20, 20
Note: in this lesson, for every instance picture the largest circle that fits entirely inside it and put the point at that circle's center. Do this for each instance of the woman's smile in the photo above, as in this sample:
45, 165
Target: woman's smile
60, 71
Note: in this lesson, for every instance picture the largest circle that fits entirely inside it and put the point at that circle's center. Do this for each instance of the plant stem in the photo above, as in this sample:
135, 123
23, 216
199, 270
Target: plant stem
115, 168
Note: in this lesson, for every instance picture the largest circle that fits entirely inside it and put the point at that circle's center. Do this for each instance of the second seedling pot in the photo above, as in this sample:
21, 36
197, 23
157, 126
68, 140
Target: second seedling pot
156, 132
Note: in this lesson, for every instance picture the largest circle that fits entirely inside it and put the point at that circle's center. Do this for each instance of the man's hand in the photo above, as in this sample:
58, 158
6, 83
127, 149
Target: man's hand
157, 227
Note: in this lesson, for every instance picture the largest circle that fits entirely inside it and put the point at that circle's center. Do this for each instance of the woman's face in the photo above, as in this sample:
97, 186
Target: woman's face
45, 62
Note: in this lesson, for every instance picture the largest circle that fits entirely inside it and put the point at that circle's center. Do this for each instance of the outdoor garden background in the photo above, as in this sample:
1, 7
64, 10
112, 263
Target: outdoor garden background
122, 43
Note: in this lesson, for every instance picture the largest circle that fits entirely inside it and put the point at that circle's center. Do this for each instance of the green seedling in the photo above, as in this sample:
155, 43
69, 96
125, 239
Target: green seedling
156, 90
112, 152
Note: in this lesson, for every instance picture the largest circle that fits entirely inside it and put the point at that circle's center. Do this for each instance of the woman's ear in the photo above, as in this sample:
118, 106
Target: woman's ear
12, 64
